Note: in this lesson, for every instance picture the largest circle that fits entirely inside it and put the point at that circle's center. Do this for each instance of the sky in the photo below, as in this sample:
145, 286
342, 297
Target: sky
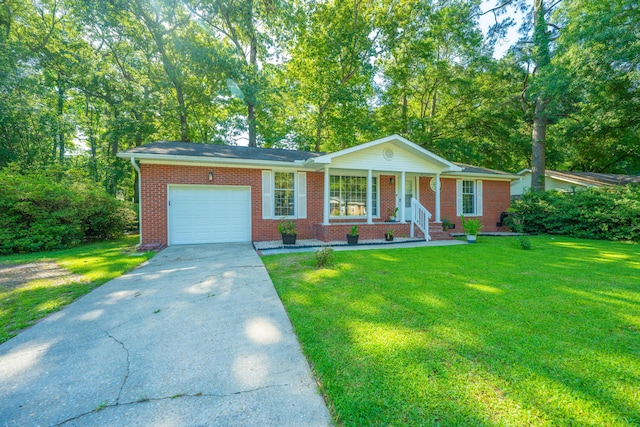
485, 22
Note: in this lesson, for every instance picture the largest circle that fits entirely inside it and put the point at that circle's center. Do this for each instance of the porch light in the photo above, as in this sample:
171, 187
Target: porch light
210, 176
392, 180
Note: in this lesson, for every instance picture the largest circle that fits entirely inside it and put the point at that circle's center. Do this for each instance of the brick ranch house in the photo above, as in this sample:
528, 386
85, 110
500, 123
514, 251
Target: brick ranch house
199, 193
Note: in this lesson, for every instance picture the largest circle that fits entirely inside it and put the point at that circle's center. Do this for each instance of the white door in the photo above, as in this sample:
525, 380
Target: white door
208, 214
409, 193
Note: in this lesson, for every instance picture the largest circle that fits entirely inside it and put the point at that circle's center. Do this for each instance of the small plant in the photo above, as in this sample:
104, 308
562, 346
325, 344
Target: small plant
393, 214
287, 227
525, 243
388, 236
352, 235
101, 406
471, 227
515, 223
446, 224
324, 257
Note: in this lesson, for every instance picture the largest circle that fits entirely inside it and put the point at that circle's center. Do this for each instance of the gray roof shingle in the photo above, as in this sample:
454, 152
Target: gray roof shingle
592, 178
169, 148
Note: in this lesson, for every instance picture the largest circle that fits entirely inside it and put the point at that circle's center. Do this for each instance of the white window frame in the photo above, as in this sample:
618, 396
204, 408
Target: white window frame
376, 196
477, 201
295, 193
269, 194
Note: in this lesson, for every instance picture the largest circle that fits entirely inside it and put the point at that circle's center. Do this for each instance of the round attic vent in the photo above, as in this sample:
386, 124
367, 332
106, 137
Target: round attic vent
387, 153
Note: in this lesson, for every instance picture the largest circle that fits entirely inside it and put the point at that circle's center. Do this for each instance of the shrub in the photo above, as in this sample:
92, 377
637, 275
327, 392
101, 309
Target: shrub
49, 210
605, 213
324, 257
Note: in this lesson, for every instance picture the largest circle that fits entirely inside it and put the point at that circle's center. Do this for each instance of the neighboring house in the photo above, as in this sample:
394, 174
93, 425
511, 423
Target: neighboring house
201, 193
570, 181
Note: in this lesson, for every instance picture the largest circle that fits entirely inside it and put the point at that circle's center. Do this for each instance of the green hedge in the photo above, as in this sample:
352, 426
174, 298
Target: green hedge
606, 213
51, 210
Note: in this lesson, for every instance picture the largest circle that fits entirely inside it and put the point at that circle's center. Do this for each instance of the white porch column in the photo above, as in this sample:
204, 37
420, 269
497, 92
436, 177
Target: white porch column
369, 193
327, 205
437, 197
402, 196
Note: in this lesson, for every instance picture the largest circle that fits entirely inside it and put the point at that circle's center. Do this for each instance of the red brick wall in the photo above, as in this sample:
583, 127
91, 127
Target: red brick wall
495, 199
156, 178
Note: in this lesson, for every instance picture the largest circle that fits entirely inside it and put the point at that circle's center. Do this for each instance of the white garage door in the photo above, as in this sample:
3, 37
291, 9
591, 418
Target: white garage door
205, 214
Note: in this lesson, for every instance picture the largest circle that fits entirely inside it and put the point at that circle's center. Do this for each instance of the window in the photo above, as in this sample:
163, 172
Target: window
468, 197
348, 196
284, 194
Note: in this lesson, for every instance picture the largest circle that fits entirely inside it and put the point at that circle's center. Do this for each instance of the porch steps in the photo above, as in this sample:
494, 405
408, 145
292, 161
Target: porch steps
436, 233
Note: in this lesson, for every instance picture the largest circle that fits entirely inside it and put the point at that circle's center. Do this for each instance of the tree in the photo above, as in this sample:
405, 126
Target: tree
535, 53
330, 74
599, 48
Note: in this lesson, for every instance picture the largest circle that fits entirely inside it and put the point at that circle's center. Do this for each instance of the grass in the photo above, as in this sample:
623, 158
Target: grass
474, 335
94, 264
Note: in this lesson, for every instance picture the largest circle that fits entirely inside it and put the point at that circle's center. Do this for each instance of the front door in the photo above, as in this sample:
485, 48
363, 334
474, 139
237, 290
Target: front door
409, 193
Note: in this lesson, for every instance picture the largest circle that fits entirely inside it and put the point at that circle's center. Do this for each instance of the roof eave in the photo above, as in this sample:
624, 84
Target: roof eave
178, 159
498, 177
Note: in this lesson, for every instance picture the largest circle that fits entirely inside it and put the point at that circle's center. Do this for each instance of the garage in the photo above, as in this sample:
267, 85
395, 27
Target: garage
209, 214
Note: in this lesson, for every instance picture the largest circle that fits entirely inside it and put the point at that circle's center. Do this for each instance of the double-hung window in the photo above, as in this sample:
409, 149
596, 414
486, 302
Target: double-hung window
469, 197
284, 194
348, 196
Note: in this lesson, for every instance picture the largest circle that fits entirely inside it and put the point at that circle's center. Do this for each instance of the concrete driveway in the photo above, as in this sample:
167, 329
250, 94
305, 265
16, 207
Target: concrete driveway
195, 337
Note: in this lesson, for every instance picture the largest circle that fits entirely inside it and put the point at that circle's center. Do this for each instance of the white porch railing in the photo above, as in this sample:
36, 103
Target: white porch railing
420, 217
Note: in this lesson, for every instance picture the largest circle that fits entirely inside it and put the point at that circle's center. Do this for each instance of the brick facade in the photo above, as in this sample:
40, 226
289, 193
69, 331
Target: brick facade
157, 177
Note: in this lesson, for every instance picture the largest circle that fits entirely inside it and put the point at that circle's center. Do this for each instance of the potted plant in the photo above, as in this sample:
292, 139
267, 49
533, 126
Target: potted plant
288, 231
447, 225
388, 236
352, 237
471, 227
393, 214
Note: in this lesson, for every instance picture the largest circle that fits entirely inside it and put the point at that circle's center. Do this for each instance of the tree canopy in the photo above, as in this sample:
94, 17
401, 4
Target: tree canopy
80, 81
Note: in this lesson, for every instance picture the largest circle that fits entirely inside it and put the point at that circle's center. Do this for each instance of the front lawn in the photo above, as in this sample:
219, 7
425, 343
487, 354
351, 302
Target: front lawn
34, 285
474, 335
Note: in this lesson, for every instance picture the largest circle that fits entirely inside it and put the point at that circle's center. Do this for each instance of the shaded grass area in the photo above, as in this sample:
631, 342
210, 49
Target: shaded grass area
474, 335
90, 265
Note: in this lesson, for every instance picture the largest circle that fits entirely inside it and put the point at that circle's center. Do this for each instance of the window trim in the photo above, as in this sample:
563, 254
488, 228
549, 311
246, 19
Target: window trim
477, 200
295, 194
377, 195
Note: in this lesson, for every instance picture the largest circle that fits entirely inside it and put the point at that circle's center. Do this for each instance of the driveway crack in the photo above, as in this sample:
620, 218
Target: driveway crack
126, 375
159, 399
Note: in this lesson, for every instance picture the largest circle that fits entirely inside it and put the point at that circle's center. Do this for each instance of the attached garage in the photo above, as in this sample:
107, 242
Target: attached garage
208, 214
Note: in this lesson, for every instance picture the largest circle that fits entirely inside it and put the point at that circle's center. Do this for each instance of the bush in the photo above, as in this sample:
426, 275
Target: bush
49, 210
324, 257
605, 213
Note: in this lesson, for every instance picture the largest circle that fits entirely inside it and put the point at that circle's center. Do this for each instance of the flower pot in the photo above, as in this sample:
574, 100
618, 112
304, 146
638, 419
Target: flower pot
471, 238
289, 239
352, 240
388, 237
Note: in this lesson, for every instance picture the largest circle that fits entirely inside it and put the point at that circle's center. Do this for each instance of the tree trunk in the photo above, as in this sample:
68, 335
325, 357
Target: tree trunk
539, 137
542, 59
60, 135
253, 64
184, 126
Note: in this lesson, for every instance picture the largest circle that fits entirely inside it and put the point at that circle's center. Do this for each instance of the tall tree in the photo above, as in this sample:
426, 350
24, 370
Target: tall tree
534, 52
249, 26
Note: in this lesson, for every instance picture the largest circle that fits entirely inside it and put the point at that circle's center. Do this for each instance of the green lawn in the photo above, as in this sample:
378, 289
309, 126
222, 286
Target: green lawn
92, 265
474, 335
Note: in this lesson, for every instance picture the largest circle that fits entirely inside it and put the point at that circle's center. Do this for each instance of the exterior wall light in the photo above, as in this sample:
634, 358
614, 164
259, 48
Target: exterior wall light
210, 176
